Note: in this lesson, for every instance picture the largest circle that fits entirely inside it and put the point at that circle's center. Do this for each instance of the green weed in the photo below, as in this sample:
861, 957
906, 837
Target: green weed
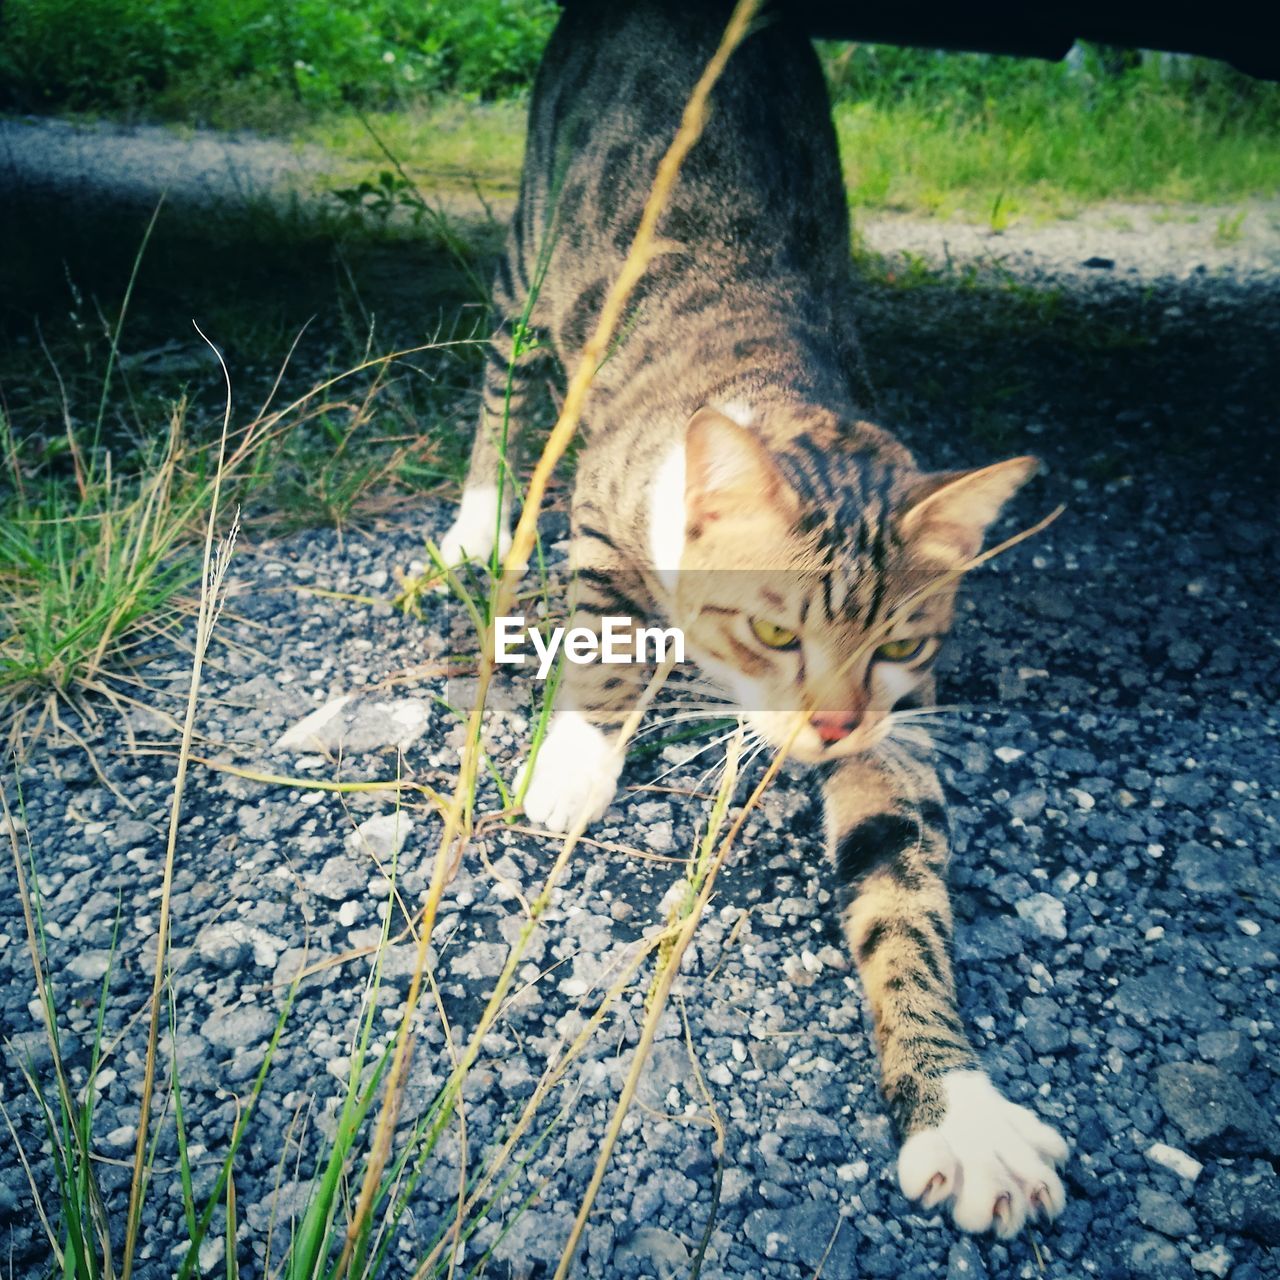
1230, 229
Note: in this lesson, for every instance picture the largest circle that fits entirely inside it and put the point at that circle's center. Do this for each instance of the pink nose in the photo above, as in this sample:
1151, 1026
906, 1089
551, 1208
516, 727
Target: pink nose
832, 728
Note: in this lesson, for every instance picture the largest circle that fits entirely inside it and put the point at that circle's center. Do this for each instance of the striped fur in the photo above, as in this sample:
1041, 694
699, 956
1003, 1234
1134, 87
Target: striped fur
723, 432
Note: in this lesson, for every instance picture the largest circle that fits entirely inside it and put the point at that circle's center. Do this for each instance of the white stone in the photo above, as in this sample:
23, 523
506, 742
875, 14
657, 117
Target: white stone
383, 836
312, 733
1045, 914
1175, 1161
123, 1138
1215, 1261
212, 1250
1250, 928
1009, 754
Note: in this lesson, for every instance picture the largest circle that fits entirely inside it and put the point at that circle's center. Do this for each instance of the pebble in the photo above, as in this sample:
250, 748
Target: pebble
965, 1262
381, 837
1045, 914
239, 1026
1214, 1111
1213, 1262
1162, 1213
339, 878
1155, 1256
1175, 1161
224, 944
659, 1248
1243, 1199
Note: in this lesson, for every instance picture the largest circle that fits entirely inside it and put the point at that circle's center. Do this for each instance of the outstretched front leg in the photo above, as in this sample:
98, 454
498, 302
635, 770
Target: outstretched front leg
964, 1144
575, 774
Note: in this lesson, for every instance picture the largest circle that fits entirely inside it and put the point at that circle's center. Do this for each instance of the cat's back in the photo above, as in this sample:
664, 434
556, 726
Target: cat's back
760, 192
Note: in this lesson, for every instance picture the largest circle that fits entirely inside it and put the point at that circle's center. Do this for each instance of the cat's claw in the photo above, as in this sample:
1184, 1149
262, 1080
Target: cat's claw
575, 775
991, 1160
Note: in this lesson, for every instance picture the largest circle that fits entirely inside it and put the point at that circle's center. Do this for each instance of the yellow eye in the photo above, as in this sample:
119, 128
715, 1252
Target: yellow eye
773, 636
900, 650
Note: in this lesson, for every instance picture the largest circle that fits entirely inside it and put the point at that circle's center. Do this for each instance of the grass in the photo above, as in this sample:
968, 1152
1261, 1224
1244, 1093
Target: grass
224, 60
1016, 159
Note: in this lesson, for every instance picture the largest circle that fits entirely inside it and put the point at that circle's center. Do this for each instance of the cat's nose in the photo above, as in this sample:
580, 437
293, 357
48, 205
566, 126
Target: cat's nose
832, 727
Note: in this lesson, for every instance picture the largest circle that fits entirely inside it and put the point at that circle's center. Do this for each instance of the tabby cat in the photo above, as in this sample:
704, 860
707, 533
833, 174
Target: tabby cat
729, 486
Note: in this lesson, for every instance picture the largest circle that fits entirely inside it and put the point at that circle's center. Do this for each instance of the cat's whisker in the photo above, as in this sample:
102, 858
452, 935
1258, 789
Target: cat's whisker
687, 718
679, 764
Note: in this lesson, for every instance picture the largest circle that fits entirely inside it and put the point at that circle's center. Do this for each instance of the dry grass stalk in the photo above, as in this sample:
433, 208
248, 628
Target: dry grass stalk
216, 559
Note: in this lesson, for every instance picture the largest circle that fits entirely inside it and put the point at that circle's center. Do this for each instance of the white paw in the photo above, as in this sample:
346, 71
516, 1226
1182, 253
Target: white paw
575, 775
990, 1160
476, 527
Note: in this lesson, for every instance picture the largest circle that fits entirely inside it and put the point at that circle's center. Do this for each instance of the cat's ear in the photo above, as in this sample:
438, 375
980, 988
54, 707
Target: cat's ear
948, 514
725, 463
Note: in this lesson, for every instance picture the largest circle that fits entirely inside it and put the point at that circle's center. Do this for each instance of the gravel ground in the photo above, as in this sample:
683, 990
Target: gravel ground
1113, 796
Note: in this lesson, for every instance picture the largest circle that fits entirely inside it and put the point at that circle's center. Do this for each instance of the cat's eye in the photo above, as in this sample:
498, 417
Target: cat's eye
900, 650
773, 636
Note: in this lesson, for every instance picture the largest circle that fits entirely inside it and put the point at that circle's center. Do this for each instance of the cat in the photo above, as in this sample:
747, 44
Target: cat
729, 485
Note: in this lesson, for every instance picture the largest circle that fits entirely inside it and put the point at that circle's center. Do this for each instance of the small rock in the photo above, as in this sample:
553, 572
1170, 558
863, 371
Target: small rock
1164, 994
1155, 1256
664, 1250
1047, 1029
316, 732
1228, 1049
481, 961
381, 837
1099, 264
964, 1262
225, 944
1214, 1262
1243, 1202
212, 1250
122, 1138
339, 879
1214, 1111
90, 966
1205, 870
1046, 915
1175, 1161
241, 1026
1029, 805
802, 1235
1162, 1213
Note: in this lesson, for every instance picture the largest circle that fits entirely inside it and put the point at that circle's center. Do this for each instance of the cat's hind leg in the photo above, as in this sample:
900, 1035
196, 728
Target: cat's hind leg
514, 367
965, 1145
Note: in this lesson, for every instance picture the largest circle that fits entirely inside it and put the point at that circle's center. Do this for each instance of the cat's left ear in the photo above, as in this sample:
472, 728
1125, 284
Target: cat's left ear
947, 516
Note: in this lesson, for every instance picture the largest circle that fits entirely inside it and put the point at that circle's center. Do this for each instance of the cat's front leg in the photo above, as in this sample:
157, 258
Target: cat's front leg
964, 1145
575, 773
576, 769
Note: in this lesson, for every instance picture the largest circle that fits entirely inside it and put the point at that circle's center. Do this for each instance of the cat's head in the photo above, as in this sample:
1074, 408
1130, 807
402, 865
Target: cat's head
816, 587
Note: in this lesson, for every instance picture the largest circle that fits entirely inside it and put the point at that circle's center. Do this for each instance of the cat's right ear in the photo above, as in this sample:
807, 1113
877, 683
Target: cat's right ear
725, 465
